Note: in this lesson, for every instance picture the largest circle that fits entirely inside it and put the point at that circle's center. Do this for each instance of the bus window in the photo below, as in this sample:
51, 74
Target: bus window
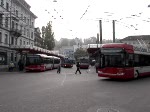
136, 60
129, 60
33, 60
112, 60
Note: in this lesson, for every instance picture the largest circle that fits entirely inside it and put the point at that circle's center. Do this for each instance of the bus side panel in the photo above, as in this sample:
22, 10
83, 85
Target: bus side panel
143, 70
49, 66
129, 73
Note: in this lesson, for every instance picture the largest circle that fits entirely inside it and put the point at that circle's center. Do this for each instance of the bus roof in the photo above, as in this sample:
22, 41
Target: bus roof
129, 48
55, 57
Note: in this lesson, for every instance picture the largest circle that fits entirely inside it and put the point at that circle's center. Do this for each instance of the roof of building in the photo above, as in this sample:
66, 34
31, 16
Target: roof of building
144, 37
35, 50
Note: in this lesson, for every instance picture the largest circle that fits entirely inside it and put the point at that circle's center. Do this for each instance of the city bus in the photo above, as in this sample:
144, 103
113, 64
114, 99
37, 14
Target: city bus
40, 62
67, 62
84, 62
124, 61
56, 62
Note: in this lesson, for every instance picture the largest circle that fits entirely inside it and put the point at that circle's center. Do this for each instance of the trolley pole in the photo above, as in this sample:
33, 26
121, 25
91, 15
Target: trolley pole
100, 28
113, 31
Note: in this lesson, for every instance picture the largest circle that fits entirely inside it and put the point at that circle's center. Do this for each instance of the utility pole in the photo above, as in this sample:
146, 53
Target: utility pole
113, 31
97, 40
100, 28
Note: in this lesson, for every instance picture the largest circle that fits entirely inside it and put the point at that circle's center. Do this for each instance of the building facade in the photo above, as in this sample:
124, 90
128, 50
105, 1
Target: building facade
16, 29
67, 51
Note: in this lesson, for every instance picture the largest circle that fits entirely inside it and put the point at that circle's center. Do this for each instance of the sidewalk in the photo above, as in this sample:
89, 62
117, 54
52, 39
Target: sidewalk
6, 70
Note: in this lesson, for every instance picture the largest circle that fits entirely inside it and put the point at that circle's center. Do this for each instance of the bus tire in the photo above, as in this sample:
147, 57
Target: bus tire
136, 75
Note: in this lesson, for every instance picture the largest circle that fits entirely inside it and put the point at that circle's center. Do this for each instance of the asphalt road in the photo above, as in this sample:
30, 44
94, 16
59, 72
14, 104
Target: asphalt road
67, 92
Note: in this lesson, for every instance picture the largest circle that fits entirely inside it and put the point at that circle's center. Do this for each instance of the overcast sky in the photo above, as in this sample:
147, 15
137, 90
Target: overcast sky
79, 18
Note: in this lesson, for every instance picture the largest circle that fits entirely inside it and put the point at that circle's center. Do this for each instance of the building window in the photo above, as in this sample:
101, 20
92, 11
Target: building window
20, 42
16, 41
28, 21
24, 42
6, 39
24, 31
27, 43
28, 33
25, 19
16, 57
21, 28
14, 11
11, 56
0, 37
6, 22
12, 40
32, 24
7, 6
13, 25
2, 3
1, 19
32, 35
21, 16
16, 25
17, 13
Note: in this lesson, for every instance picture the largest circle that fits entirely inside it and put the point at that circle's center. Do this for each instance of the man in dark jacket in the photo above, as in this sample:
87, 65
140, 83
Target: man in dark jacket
21, 65
78, 68
59, 69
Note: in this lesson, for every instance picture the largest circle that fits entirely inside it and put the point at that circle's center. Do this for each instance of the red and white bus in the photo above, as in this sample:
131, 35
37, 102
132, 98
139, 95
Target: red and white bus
56, 62
84, 62
67, 62
41, 62
120, 60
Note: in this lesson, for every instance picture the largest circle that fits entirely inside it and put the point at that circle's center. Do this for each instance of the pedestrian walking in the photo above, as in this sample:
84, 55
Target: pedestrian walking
21, 65
59, 69
11, 66
78, 68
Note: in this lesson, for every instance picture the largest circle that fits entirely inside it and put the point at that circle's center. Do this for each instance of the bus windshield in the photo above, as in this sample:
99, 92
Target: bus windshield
68, 61
84, 61
33, 60
112, 58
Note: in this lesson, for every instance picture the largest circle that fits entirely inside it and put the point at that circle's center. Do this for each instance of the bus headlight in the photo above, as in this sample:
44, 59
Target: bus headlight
100, 72
120, 72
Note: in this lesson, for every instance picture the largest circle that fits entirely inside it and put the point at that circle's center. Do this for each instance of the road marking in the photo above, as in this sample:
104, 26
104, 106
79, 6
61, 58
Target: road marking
107, 110
62, 83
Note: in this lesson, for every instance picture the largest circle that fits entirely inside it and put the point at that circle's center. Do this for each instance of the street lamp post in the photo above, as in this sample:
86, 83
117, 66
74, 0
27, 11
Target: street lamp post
100, 30
113, 31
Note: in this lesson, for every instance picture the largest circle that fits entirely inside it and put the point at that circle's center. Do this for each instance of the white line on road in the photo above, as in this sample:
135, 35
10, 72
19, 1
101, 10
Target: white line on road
62, 83
107, 110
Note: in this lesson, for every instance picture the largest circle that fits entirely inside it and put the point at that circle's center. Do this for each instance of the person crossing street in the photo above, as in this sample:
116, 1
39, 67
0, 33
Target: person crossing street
78, 68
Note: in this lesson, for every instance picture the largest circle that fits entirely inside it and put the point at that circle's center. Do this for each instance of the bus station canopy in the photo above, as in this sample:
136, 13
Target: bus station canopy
35, 50
92, 48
